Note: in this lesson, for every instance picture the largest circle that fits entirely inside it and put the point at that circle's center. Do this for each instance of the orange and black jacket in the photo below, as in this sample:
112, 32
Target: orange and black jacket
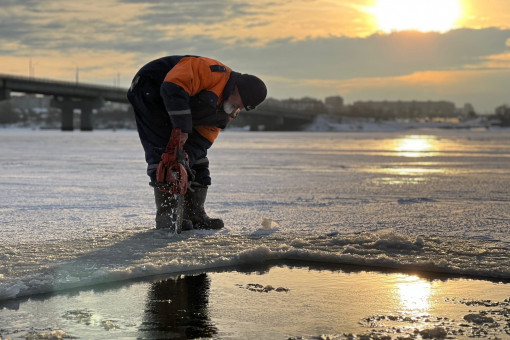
192, 89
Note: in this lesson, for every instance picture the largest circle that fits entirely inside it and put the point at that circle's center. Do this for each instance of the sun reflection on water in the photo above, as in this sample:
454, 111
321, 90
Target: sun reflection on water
416, 146
414, 294
410, 172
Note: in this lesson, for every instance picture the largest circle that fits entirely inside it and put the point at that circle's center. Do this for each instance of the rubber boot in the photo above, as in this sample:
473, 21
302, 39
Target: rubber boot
169, 209
194, 210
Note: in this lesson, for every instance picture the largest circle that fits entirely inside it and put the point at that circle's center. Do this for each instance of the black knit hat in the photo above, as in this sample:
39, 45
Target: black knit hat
252, 90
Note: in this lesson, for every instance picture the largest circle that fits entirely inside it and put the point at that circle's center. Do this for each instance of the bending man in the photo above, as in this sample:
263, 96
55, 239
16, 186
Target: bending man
198, 96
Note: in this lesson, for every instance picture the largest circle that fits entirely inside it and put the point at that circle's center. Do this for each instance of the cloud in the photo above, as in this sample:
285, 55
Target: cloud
57, 24
40, 27
185, 12
271, 30
302, 47
485, 89
378, 55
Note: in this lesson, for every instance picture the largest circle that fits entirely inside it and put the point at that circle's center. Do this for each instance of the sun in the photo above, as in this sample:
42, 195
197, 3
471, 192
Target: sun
419, 15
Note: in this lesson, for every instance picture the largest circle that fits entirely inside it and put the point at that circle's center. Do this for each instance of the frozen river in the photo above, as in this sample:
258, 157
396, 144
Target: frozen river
76, 208
356, 214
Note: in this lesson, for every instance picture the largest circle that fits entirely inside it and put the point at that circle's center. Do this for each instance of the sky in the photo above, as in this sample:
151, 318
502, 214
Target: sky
455, 50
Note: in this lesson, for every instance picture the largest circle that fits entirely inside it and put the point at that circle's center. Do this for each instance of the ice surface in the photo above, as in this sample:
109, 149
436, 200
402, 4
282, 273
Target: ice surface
76, 208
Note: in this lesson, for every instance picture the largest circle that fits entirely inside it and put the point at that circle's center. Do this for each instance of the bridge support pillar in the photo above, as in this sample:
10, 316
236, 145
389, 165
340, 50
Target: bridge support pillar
86, 116
5, 93
87, 106
68, 105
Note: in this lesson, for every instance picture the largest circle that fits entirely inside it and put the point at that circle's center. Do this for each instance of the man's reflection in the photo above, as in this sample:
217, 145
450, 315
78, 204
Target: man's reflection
177, 309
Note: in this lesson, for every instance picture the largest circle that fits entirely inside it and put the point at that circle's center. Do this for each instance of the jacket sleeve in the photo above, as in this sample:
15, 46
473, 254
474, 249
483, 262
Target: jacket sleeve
186, 79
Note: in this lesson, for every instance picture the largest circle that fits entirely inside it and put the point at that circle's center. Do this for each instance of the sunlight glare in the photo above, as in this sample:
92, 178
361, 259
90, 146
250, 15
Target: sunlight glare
414, 294
419, 15
415, 146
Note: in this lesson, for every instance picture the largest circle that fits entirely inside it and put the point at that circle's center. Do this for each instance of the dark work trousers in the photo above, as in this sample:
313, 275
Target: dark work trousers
154, 129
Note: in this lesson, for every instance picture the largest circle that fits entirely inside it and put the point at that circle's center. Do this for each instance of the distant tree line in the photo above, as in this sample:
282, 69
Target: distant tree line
503, 115
32, 110
379, 110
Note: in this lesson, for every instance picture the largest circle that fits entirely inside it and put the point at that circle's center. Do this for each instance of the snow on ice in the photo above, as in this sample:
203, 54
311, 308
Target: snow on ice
76, 208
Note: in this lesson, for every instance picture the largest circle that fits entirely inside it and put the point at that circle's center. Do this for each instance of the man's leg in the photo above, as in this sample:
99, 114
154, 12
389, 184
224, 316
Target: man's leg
194, 200
154, 129
194, 209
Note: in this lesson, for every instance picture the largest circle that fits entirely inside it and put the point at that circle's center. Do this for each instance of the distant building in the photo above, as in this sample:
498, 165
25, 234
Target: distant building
468, 112
31, 102
503, 115
307, 104
503, 110
406, 109
468, 109
334, 104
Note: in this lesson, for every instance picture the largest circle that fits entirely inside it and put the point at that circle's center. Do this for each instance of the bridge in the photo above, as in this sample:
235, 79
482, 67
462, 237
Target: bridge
69, 96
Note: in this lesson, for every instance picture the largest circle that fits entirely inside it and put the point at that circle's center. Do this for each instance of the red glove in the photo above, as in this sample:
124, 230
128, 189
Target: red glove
172, 173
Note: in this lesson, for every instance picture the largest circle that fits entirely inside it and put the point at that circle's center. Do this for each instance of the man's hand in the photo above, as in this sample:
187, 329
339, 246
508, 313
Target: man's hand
173, 170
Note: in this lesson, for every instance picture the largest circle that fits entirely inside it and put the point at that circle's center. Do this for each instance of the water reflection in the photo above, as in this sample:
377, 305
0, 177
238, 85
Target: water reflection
411, 172
416, 146
408, 171
405, 175
178, 309
414, 294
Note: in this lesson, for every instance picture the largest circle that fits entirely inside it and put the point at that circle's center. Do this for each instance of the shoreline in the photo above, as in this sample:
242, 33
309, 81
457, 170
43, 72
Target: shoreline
92, 261
325, 123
